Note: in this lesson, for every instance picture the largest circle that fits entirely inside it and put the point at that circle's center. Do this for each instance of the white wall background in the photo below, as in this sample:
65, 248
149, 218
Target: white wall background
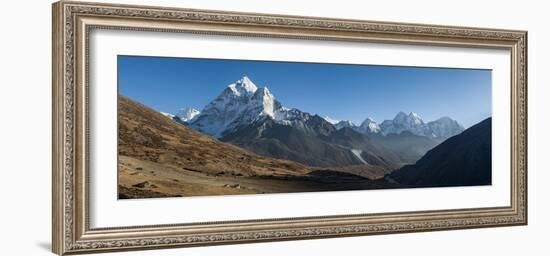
25, 114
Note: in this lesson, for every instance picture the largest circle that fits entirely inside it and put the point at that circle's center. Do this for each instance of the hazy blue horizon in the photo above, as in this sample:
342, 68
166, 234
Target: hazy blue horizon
340, 91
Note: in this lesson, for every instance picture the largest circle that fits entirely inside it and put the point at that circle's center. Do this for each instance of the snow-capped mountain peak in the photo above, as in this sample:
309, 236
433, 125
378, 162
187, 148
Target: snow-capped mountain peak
243, 86
345, 123
445, 127
187, 114
411, 119
403, 122
442, 128
241, 103
369, 126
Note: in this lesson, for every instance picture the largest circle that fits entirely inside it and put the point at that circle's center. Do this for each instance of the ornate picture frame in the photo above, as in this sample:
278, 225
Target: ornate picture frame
72, 23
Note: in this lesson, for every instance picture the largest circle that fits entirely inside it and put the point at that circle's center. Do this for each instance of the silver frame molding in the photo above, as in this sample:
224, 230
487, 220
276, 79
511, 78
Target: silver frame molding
72, 22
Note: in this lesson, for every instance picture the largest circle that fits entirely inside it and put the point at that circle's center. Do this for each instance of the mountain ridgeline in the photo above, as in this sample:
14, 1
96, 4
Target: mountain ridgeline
252, 118
158, 157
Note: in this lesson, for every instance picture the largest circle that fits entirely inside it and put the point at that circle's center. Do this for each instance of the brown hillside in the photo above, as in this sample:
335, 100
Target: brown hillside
147, 135
161, 158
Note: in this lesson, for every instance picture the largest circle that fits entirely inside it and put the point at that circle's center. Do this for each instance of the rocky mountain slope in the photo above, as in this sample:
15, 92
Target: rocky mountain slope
147, 136
162, 158
462, 160
252, 118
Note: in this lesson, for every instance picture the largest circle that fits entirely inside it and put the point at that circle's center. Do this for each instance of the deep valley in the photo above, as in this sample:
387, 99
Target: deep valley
247, 142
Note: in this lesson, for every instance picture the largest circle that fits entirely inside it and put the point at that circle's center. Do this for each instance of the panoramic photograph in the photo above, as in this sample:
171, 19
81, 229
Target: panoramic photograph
207, 127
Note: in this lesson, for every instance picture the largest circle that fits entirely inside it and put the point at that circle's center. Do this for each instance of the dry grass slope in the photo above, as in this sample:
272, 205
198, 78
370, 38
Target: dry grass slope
161, 158
147, 135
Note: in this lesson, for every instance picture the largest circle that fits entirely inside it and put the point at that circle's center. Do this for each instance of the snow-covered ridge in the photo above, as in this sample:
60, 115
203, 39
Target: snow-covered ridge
403, 122
243, 86
187, 114
241, 103
330, 120
443, 127
345, 123
369, 126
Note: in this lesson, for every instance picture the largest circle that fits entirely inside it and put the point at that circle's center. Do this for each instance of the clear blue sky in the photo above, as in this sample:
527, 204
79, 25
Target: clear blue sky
343, 92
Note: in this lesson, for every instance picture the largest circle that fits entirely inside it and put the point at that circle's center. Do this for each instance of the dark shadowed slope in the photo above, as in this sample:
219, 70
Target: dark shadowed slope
462, 160
314, 142
269, 138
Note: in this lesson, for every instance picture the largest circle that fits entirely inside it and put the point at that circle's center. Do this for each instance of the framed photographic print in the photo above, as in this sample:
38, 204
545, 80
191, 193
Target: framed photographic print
179, 127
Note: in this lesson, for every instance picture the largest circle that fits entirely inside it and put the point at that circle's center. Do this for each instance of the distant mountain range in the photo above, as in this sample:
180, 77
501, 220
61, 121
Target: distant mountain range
252, 118
439, 129
242, 102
